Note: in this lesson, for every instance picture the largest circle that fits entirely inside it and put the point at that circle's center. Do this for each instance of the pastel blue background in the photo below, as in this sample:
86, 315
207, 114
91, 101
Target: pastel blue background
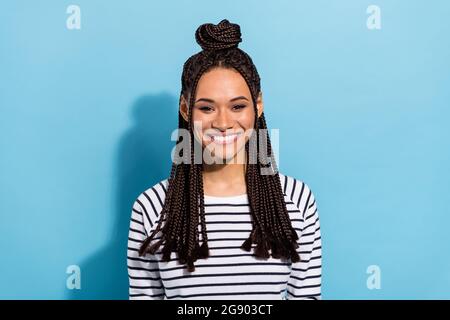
86, 117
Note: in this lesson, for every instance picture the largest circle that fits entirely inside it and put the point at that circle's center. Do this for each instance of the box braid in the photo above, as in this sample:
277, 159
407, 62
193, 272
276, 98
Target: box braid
184, 203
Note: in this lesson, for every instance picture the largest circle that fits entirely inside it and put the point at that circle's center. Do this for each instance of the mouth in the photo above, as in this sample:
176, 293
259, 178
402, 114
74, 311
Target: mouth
224, 139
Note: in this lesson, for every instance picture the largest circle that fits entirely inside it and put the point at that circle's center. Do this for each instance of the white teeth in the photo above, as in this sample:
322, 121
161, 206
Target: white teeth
224, 140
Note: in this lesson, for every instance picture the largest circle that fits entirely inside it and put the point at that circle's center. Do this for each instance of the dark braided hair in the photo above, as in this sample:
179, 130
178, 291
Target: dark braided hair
184, 203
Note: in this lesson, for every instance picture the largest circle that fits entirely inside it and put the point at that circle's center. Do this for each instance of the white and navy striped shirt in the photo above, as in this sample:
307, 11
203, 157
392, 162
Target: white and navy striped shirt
229, 272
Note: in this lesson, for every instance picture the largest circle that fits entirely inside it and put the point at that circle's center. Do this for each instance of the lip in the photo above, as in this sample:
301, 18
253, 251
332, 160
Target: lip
224, 139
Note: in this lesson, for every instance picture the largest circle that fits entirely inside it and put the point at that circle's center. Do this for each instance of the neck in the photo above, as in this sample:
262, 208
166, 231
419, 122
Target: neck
224, 179
220, 173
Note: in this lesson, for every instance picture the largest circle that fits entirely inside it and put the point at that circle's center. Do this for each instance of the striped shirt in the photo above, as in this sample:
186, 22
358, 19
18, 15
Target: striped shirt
229, 272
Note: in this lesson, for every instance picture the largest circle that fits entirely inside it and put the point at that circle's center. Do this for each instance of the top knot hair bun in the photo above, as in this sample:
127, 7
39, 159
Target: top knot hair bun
221, 36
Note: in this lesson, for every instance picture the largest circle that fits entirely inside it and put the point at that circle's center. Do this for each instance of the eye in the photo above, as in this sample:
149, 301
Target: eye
205, 108
239, 106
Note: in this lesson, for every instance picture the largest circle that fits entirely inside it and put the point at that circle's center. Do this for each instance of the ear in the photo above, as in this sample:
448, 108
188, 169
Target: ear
259, 104
184, 110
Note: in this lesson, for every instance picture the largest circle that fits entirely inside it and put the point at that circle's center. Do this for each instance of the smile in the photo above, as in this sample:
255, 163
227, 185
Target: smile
220, 139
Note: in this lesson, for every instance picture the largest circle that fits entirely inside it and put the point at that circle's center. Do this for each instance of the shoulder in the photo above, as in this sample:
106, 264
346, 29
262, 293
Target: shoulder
150, 203
297, 191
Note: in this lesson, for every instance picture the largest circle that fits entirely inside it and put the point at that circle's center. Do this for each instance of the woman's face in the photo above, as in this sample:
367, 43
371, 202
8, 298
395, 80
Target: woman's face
223, 114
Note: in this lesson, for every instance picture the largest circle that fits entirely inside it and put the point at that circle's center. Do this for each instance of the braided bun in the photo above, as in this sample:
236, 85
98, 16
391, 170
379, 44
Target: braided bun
216, 37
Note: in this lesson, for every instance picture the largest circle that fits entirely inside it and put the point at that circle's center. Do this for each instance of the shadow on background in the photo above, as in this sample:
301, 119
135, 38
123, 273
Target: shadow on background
143, 160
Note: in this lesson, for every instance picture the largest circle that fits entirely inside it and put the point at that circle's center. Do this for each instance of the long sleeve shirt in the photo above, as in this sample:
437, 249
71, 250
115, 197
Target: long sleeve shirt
229, 272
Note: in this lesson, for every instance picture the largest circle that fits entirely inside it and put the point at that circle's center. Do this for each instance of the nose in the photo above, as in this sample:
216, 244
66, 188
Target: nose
223, 121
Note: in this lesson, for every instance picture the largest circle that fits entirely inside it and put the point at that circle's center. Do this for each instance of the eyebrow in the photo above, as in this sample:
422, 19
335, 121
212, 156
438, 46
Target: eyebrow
212, 101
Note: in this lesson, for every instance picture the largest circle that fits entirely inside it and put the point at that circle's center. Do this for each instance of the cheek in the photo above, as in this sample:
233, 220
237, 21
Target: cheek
247, 118
201, 123
247, 122
204, 118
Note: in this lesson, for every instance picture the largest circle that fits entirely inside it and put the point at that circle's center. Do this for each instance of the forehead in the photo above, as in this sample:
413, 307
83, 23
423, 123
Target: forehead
222, 84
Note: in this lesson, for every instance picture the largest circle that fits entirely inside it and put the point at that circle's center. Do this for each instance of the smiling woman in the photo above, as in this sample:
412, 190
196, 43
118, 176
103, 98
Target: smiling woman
259, 229
224, 114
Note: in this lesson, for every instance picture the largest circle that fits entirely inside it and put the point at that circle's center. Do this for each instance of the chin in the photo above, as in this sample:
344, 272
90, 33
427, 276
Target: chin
230, 157
223, 154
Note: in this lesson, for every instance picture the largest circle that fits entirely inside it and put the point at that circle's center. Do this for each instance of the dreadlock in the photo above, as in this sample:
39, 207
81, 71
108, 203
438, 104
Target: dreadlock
184, 203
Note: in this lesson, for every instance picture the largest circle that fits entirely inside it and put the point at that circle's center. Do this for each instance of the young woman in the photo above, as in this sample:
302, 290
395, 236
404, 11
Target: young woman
224, 227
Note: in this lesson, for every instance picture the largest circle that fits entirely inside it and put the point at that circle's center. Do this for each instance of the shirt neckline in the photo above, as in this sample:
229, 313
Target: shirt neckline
237, 198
